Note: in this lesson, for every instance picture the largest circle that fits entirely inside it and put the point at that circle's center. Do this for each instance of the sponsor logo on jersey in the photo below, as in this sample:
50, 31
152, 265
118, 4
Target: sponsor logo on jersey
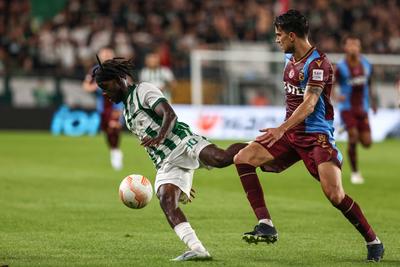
294, 90
301, 75
317, 75
360, 80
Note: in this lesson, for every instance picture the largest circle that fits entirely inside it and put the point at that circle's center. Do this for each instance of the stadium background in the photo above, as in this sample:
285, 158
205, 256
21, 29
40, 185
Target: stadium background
46, 49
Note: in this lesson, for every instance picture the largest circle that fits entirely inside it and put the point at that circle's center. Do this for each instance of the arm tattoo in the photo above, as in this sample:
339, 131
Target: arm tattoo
314, 90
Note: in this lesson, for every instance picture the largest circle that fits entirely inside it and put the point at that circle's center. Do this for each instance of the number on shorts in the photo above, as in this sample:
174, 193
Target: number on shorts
191, 142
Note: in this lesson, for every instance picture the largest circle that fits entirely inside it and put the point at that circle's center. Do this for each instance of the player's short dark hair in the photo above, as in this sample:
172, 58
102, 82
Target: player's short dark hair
351, 36
292, 21
113, 69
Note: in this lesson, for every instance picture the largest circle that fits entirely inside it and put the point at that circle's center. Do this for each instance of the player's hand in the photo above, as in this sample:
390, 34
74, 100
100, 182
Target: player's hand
270, 136
192, 196
149, 142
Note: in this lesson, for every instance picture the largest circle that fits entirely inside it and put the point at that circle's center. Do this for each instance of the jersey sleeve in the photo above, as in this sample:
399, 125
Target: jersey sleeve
168, 75
319, 73
149, 95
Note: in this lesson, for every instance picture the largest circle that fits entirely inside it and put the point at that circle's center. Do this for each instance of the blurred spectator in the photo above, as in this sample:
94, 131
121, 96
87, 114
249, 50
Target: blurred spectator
68, 42
43, 97
259, 99
160, 76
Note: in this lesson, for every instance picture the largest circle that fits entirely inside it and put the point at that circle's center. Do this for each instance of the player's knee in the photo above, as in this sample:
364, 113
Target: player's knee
242, 157
167, 201
336, 197
353, 138
222, 159
366, 143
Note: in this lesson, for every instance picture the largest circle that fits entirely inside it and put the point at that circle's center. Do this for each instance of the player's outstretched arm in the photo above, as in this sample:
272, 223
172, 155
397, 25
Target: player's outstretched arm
311, 96
165, 111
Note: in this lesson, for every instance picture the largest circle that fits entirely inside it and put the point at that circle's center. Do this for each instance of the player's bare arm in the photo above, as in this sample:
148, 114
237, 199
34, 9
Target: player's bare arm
165, 111
311, 96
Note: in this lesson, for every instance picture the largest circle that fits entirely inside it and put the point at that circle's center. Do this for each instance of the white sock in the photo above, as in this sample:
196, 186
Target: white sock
116, 158
266, 221
376, 241
188, 236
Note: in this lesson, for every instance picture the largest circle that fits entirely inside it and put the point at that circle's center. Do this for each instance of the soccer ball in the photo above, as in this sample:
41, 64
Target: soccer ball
135, 191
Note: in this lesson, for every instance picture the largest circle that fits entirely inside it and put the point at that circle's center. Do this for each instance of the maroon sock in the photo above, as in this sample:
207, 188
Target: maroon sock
113, 138
353, 213
253, 189
352, 151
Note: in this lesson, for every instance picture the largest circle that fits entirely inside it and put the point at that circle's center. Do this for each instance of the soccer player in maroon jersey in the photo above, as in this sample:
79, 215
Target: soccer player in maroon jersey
306, 134
353, 74
110, 113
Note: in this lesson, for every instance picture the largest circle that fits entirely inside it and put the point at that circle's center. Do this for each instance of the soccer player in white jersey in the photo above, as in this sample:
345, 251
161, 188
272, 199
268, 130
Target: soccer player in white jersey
160, 76
175, 151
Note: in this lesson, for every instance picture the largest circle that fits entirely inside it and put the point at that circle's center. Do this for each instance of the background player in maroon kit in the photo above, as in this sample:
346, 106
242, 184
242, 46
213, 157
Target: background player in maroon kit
306, 134
110, 113
353, 74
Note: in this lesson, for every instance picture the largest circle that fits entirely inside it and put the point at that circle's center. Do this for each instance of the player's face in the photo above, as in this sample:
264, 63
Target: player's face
284, 40
113, 90
152, 60
352, 46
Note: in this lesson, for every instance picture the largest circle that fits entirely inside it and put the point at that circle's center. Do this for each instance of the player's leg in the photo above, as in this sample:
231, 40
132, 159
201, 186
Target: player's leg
366, 139
353, 139
331, 183
169, 195
365, 130
214, 156
351, 121
246, 161
352, 148
113, 133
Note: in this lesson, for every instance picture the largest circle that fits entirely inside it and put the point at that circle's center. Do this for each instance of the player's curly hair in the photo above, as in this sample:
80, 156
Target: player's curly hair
113, 69
292, 21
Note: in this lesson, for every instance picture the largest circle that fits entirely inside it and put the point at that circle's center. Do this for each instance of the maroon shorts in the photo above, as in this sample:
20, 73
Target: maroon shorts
105, 119
312, 148
355, 119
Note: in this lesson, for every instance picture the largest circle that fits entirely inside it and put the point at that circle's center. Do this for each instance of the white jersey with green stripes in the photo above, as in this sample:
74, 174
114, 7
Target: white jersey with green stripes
142, 120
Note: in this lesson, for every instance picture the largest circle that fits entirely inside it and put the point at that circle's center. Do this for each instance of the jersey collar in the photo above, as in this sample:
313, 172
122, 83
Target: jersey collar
131, 88
306, 55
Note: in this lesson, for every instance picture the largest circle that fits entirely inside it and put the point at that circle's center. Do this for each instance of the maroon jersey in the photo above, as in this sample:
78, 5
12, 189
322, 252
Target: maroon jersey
314, 69
354, 84
312, 140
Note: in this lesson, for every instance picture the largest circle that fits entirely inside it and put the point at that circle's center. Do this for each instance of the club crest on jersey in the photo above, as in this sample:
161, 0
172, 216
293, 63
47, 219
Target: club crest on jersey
291, 73
294, 90
301, 75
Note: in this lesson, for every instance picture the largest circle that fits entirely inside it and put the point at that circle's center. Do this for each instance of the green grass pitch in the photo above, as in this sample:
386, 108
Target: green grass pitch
59, 206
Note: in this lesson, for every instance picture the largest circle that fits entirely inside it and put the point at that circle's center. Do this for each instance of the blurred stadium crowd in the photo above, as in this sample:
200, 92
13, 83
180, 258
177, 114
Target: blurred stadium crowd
67, 42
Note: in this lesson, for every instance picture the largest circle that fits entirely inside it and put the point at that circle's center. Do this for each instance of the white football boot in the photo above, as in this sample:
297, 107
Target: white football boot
193, 255
356, 178
116, 157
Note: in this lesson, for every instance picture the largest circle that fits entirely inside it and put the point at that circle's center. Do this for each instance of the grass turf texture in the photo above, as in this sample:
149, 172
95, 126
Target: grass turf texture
59, 207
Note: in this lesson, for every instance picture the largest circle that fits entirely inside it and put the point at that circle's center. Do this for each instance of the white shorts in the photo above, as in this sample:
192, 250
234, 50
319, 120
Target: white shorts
178, 168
